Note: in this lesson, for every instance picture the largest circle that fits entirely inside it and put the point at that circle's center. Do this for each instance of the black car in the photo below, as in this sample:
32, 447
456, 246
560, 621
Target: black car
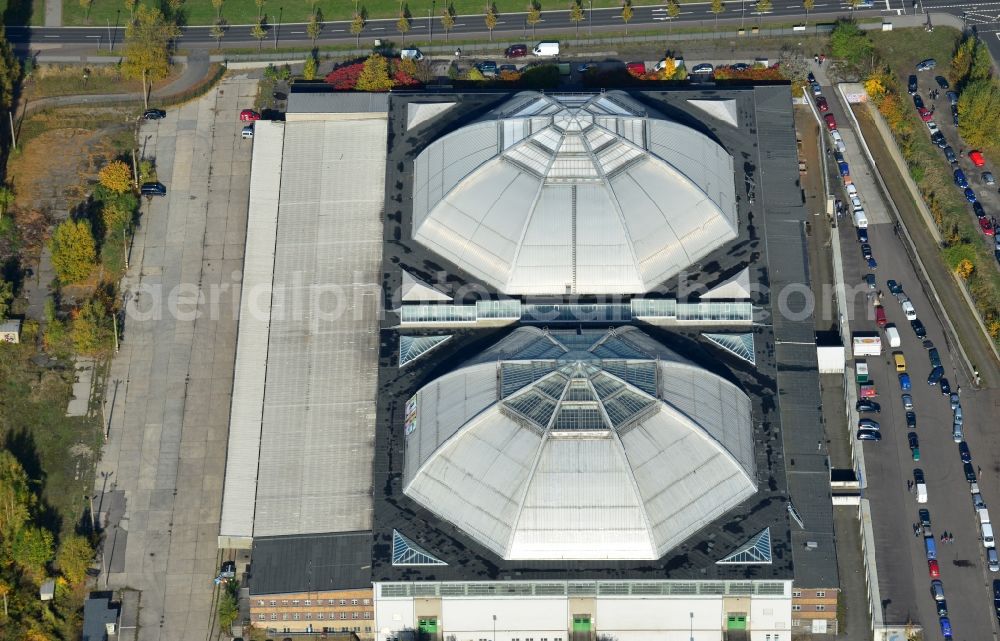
866, 405
279, 95
913, 441
862, 235
911, 85
154, 114
941, 82
942, 608
977, 207
911, 420
811, 78
918, 328
936, 374
945, 387
954, 114
939, 140
866, 250
964, 453
869, 435
949, 153
918, 475
970, 472
918, 102
153, 189
925, 518
928, 345
894, 287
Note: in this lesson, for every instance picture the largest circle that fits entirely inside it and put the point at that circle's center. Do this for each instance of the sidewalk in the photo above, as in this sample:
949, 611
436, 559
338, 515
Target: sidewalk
53, 13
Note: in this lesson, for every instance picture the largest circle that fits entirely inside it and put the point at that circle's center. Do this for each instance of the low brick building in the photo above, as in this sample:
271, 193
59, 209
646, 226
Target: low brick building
815, 610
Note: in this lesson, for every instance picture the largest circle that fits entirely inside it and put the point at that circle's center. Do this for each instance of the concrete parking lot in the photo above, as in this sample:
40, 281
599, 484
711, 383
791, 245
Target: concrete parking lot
168, 405
902, 565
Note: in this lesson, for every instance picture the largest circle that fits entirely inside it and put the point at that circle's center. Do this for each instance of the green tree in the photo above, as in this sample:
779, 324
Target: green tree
403, 23
315, 26
116, 176
32, 550
218, 7
73, 250
258, 32
6, 199
626, 14
673, 10
358, 25
115, 217
848, 42
374, 74
717, 8
10, 73
961, 62
6, 296
763, 6
228, 608
534, 15
576, 14
73, 558
978, 113
490, 18
309, 68
130, 7
86, 5
218, 30
148, 43
448, 21
260, 7
16, 498
91, 328
808, 6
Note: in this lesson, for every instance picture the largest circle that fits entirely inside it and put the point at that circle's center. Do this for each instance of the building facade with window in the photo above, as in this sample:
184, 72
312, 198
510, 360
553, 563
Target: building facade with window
815, 611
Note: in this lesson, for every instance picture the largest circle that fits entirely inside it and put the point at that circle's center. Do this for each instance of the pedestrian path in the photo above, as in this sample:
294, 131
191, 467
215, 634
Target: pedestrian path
53, 13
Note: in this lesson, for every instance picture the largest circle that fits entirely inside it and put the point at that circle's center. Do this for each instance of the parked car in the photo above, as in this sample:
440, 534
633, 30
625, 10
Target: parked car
945, 387
952, 97
411, 53
247, 131
977, 158
942, 82
822, 104
938, 139
845, 169
926, 65
911, 420
866, 251
907, 401
960, 180
831, 122
249, 115
918, 475
153, 189
933, 128
811, 77
942, 608
977, 208
992, 560
949, 153
914, 446
895, 287
933, 569
977, 499
707, 68
838, 141
862, 235
955, 402
488, 68
986, 226
868, 424
816, 89
870, 280
970, 195
872, 264
970, 472
908, 310
924, 516
954, 115
918, 102
516, 51
868, 435
935, 375
925, 114
964, 453
867, 405
904, 382
918, 328
988, 178
154, 114
945, 628
503, 68
911, 84
637, 69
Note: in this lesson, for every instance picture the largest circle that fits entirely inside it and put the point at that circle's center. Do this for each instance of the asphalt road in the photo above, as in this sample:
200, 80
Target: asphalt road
903, 573
509, 24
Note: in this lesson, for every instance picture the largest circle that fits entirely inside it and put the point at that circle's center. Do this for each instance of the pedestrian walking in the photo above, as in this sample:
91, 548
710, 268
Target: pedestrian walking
980, 472
909, 485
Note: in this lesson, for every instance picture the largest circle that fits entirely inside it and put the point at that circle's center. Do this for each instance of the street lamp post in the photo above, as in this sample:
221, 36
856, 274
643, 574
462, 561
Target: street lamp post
692, 626
590, 21
430, 18
494, 627
278, 27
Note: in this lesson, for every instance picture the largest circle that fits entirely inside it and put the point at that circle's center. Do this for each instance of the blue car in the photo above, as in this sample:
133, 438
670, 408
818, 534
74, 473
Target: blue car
945, 627
862, 235
904, 382
960, 179
844, 169
872, 265
970, 195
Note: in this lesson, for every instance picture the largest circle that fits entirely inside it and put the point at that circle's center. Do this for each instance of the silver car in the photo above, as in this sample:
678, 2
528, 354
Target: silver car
907, 402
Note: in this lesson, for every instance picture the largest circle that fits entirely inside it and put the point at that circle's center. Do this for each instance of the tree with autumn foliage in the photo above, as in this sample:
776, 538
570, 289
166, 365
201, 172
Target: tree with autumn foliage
374, 74
73, 250
116, 176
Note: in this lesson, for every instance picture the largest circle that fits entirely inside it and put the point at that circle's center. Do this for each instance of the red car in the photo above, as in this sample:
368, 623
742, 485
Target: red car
831, 122
822, 105
925, 114
516, 51
637, 69
249, 115
986, 226
933, 569
977, 158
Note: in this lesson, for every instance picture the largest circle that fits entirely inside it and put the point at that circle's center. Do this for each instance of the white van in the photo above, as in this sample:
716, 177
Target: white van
547, 48
987, 532
838, 141
411, 54
921, 492
860, 220
974, 488
893, 335
984, 516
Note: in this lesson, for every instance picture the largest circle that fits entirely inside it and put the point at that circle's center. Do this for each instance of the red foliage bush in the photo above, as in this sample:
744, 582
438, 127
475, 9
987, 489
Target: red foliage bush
403, 79
346, 77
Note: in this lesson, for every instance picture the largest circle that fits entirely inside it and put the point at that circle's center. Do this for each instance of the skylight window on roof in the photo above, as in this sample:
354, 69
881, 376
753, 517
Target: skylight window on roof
579, 416
617, 156
626, 406
579, 390
633, 130
530, 157
572, 167
572, 144
406, 552
533, 108
611, 106
514, 131
514, 376
534, 406
552, 386
598, 138
549, 138
606, 386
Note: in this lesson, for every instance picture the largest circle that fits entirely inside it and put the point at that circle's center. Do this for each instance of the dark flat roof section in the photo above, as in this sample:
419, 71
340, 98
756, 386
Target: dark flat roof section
311, 563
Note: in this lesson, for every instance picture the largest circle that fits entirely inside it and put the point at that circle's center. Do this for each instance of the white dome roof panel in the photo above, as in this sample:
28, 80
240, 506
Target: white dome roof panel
569, 146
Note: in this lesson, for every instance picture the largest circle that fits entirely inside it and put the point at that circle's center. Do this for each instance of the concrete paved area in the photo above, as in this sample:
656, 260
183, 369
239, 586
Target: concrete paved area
169, 418
53, 13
